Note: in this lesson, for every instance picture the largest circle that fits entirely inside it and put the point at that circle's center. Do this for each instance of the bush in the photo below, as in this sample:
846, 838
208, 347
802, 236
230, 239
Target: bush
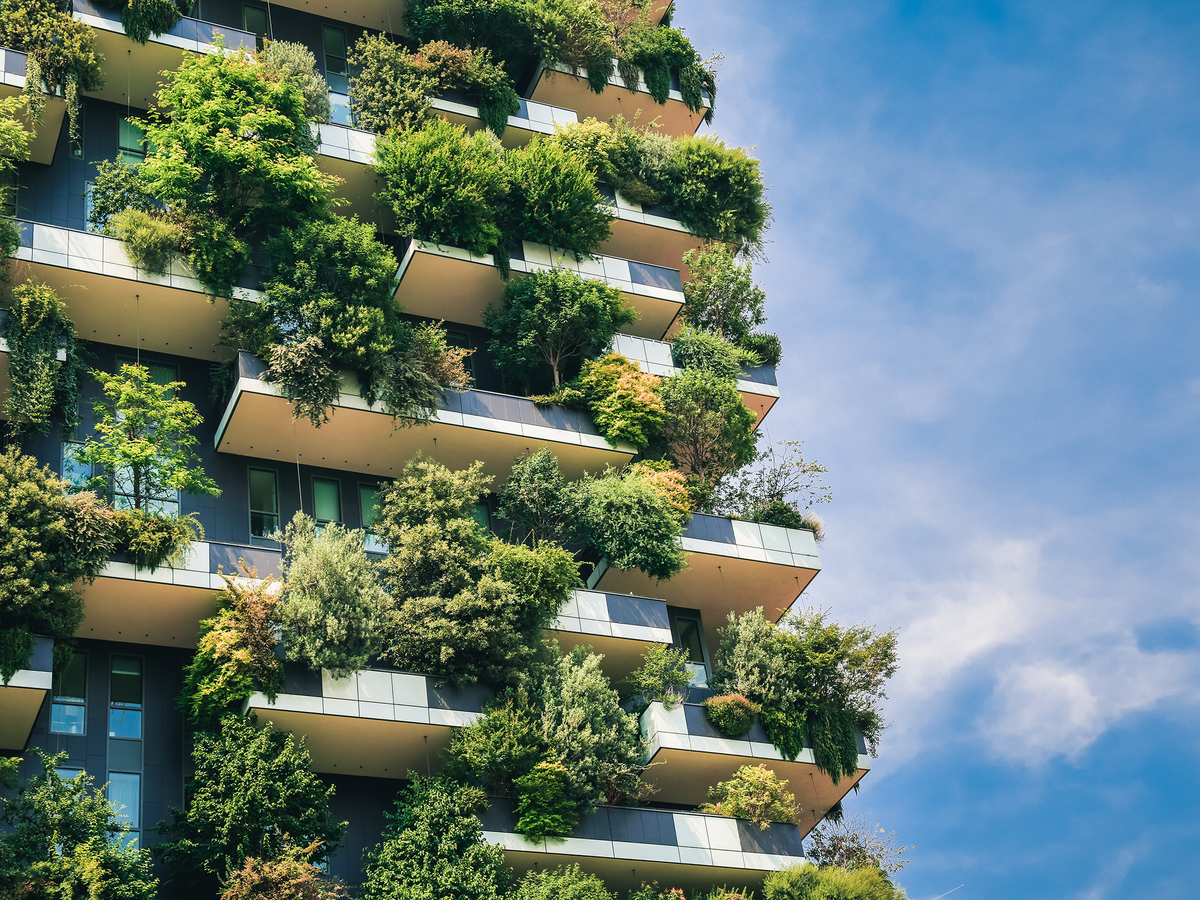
755, 793
428, 492
543, 807
251, 794
334, 609
717, 192
551, 317
631, 520
296, 63
433, 848
304, 375
151, 540
151, 241
142, 18
807, 882
503, 745
767, 347
289, 876
40, 387
732, 714
562, 883
446, 186
623, 400
48, 541
656, 51
236, 653
553, 199
664, 675
710, 353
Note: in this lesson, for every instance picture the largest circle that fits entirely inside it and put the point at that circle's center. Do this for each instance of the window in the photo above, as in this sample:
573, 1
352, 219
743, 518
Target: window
125, 794
337, 74
125, 698
368, 506
67, 773
125, 490
254, 20
132, 142
74, 472
687, 632
264, 507
327, 501
334, 40
463, 340
88, 205
68, 709
9, 185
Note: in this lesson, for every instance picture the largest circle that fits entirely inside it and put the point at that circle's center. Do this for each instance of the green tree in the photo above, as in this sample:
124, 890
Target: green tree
808, 882
562, 883
554, 199
775, 479
501, 746
252, 794
623, 400
49, 539
633, 522
334, 607
14, 146
550, 317
663, 676
852, 843
117, 187
709, 352
433, 848
717, 192
65, 840
428, 492
296, 63
537, 499
755, 793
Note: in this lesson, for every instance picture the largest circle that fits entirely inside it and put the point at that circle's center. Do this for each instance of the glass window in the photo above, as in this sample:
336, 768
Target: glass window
688, 632
334, 40
327, 501
264, 507
74, 472
77, 142
463, 340
67, 711
9, 185
368, 504
125, 794
87, 208
125, 698
482, 515
254, 20
67, 773
132, 141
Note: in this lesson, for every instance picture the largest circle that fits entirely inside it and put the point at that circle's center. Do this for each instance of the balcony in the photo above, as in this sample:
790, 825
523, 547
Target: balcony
164, 607
651, 234
112, 301
12, 83
444, 282
21, 699
620, 626
380, 723
758, 386
558, 87
470, 426
696, 755
628, 845
733, 566
133, 69
382, 15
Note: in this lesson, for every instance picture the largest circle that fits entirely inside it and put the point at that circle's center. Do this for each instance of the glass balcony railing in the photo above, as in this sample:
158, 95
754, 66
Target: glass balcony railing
186, 29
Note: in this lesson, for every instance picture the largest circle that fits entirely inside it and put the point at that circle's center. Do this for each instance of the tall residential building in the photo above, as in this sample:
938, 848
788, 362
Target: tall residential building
113, 709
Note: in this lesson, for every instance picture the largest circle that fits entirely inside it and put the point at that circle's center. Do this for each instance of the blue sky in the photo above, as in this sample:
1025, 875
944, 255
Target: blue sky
984, 268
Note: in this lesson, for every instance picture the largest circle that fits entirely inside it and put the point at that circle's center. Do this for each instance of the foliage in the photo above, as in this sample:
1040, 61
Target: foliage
732, 714
562, 883
693, 349
296, 63
49, 539
854, 844
755, 793
553, 199
118, 186
633, 522
393, 85
433, 848
623, 400
543, 806
153, 539
40, 386
430, 349
289, 876
428, 492
717, 192
808, 882
501, 746
722, 299
708, 431
780, 489
151, 240
767, 347
811, 676
663, 675
550, 317
537, 499
142, 18
64, 839
446, 186
334, 608
658, 50
251, 794
14, 146
302, 372
236, 652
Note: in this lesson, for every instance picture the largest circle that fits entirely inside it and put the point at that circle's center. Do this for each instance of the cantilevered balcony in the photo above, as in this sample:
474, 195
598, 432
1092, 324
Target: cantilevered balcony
115, 302
620, 626
469, 426
45, 135
628, 845
559, 87
651, 234
695, 756
133, 70
733, 566
444, 282
22, 697
377, 722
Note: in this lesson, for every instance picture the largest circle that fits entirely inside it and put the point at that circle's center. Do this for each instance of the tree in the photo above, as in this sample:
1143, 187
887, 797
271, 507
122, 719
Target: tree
289, 876
334, 608
433, 848
624, 400
554, 199
718, 193
755, 793
664, 675
296, 63
808, 882
49, 539
550, 317
851, 843
14, 146
537, 499
65, 839
252, 794
721, 296
634, 521
427, 491
784, 478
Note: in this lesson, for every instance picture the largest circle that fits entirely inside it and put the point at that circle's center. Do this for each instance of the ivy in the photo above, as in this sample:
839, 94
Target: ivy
142, 18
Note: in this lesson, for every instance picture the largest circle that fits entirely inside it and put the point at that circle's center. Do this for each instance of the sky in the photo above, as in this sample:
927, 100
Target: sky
984, 269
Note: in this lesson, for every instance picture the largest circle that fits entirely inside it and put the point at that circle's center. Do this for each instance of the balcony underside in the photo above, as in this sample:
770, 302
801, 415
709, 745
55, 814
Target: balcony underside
45, 136
20, 702
380, 15
360, 185
569, 91
143, 611
654, 244
621, 654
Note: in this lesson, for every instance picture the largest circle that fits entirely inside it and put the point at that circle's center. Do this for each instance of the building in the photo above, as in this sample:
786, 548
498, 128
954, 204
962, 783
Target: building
113, 710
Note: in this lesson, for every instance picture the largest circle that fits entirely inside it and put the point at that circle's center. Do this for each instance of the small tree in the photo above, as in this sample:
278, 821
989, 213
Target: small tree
252, 794
721, 295
664, 675
433, 848
784, 479
851, 843
755, 793
551, 317
562, 883
632, 518
290, 876
538, 500
65, 840
296, 63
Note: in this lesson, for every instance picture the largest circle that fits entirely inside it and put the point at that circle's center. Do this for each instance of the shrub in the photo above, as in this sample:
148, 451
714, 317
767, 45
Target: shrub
142, 18
854, 844
428, 492
543, 807
767, 347
40, 387
553, 199
656, 51
430, 349
664, 675
807, 882
623, 399
633, 523
502, 26
14, 141
433, 848
710, 353
717, 192
152, 540
251, 794
501, 746
304, 375
446, 186
64, 839
236, 652
151, 241
755, 793
48, 540
562, 883
296, 63
732, 714
551, 317
289, 876
334, 608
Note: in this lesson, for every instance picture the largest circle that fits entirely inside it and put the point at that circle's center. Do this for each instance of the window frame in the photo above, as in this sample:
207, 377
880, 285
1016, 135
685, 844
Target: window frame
74, 702
139, 707
255, 540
